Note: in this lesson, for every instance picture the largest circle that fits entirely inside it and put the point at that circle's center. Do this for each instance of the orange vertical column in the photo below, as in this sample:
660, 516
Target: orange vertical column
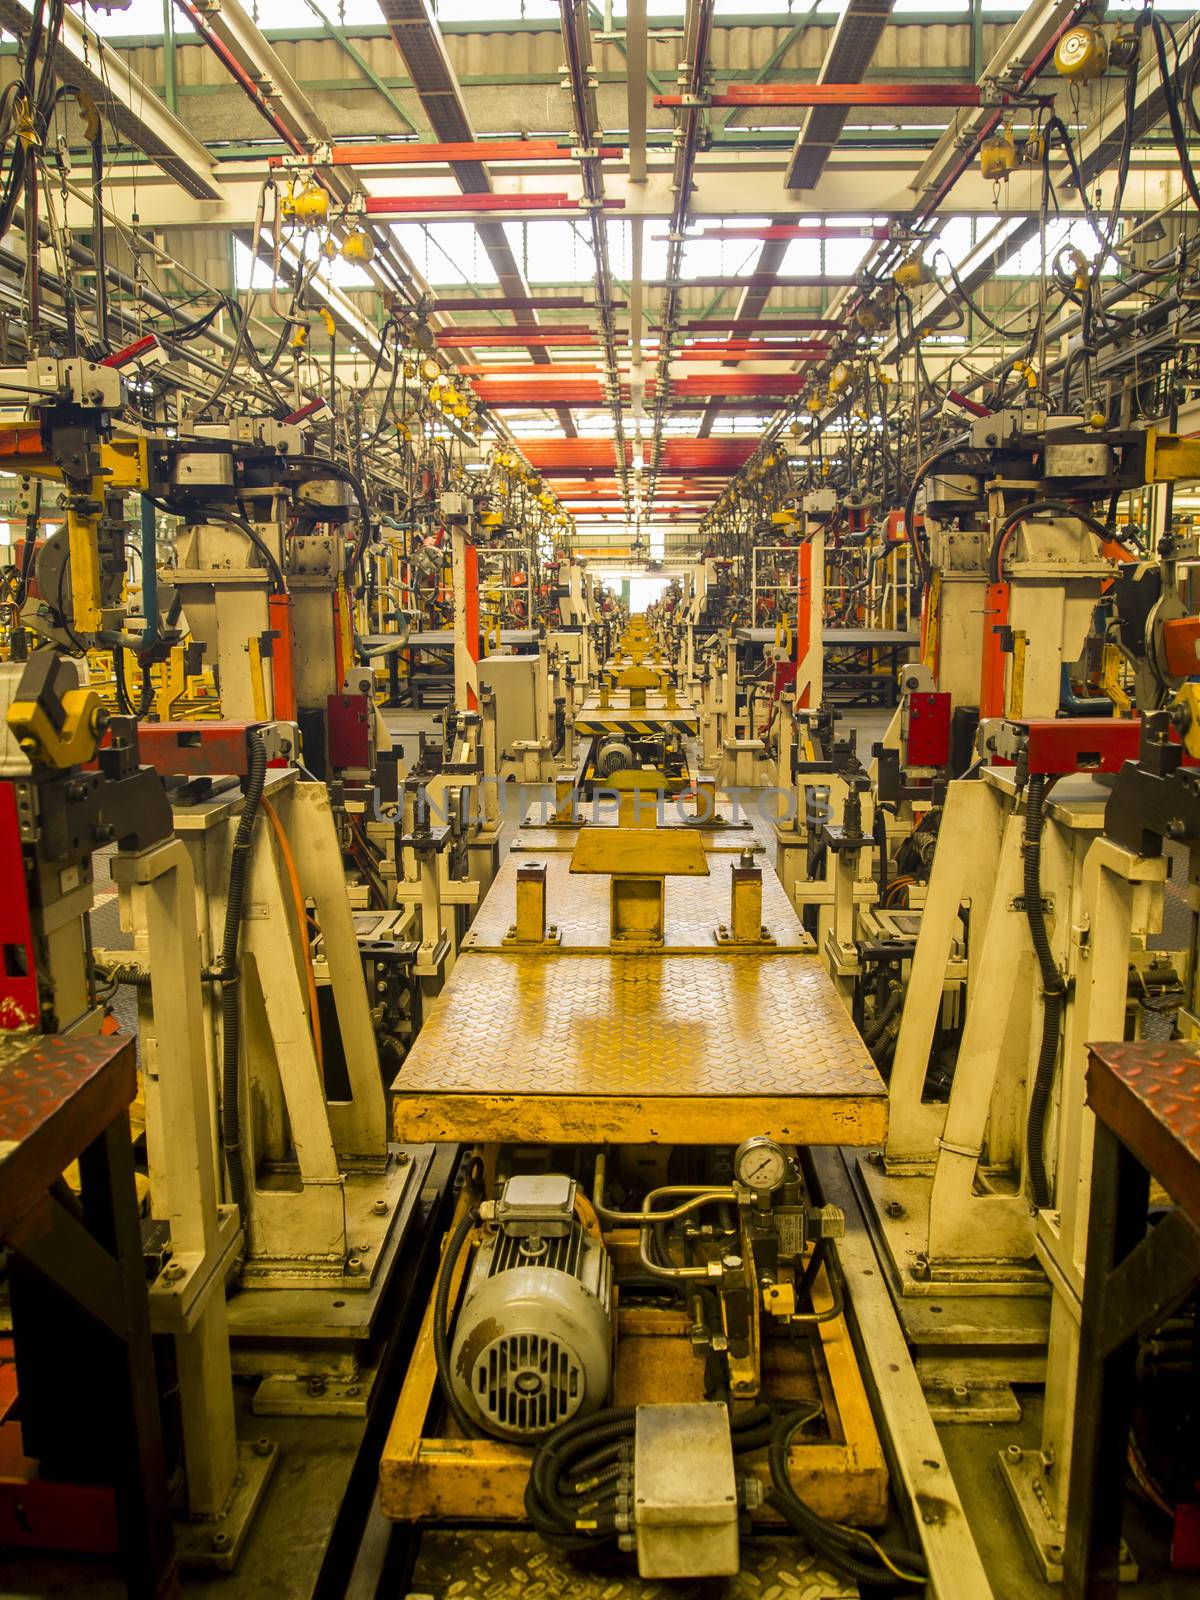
803, 617
471, 567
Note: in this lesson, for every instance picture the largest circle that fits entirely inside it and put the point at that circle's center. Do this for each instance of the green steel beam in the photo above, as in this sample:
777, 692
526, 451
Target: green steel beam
652, 78
518, 25
772, 61
363, 65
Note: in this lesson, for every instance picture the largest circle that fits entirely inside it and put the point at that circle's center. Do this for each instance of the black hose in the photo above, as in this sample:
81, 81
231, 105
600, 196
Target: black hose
231, 1121
1081, 353
879, 1022
1171, 102
910, 504
335, 469
1053, 994
571, 1503
441, 1323
845, 1548
126, 974
145, 692
233, 520
1036, 508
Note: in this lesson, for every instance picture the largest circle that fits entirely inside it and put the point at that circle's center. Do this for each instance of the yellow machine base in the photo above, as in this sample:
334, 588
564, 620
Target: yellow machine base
427, 1474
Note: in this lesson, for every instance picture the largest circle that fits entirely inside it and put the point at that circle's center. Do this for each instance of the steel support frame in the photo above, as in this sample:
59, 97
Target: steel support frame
577, 44
225, 1480
86, 62
1122, 899
417, 36
693, 78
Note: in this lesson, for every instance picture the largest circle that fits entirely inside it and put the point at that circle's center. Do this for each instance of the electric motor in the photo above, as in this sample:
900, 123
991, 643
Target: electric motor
614, 755
533, 1341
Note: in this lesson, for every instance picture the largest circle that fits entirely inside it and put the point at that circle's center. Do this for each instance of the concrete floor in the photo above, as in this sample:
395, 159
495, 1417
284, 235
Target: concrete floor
971, 1451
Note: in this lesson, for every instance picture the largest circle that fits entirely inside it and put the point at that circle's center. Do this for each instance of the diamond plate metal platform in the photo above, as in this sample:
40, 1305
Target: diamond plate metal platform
578, 905
496, 1564
1145, 1091
640, 1049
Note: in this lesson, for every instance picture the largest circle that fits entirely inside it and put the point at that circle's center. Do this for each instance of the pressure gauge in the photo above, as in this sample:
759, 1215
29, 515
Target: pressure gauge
760, 1164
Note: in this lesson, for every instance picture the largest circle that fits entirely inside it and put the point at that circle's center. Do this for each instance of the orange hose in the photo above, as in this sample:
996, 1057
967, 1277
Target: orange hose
289, 863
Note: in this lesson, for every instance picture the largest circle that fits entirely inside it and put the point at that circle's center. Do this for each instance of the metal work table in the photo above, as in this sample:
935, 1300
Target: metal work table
81, 1317
732, 830
847, 679
860, 638
436, 641
1147, 1105
640, 1049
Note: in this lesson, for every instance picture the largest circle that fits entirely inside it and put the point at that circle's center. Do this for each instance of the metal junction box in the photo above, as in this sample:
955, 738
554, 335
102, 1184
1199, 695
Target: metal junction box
685, 1493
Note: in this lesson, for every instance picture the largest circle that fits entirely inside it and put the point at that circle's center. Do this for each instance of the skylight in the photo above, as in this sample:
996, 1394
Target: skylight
342, 274
446, 253
1060, 232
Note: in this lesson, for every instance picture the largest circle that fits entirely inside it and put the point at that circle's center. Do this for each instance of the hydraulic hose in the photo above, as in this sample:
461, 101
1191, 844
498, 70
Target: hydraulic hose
910, 505
1036, 508
146, 691
335, 469
856, 1554
441, 1322
879, 1023
571, 1494
232, 520
1053, 993
231, 1121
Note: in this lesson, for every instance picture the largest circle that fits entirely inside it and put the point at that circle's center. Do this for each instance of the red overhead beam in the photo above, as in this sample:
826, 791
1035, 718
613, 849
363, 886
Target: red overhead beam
580, 392
466, 205
745, 351
763, 280
516, 302
574, 458
496, 369
768, 323
781, 230
493, 330
837, 94
735, 354
734, 383
564, 392
421, 152
531, 338
573, 453
717, 455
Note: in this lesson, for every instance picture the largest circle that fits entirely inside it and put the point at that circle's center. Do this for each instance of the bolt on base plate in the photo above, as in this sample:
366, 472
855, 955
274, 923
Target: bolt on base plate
214, 1543
1023, 1472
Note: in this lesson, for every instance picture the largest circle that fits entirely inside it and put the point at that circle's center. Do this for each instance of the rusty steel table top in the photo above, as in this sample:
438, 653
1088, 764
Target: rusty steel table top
1148, 1092
56, 1096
